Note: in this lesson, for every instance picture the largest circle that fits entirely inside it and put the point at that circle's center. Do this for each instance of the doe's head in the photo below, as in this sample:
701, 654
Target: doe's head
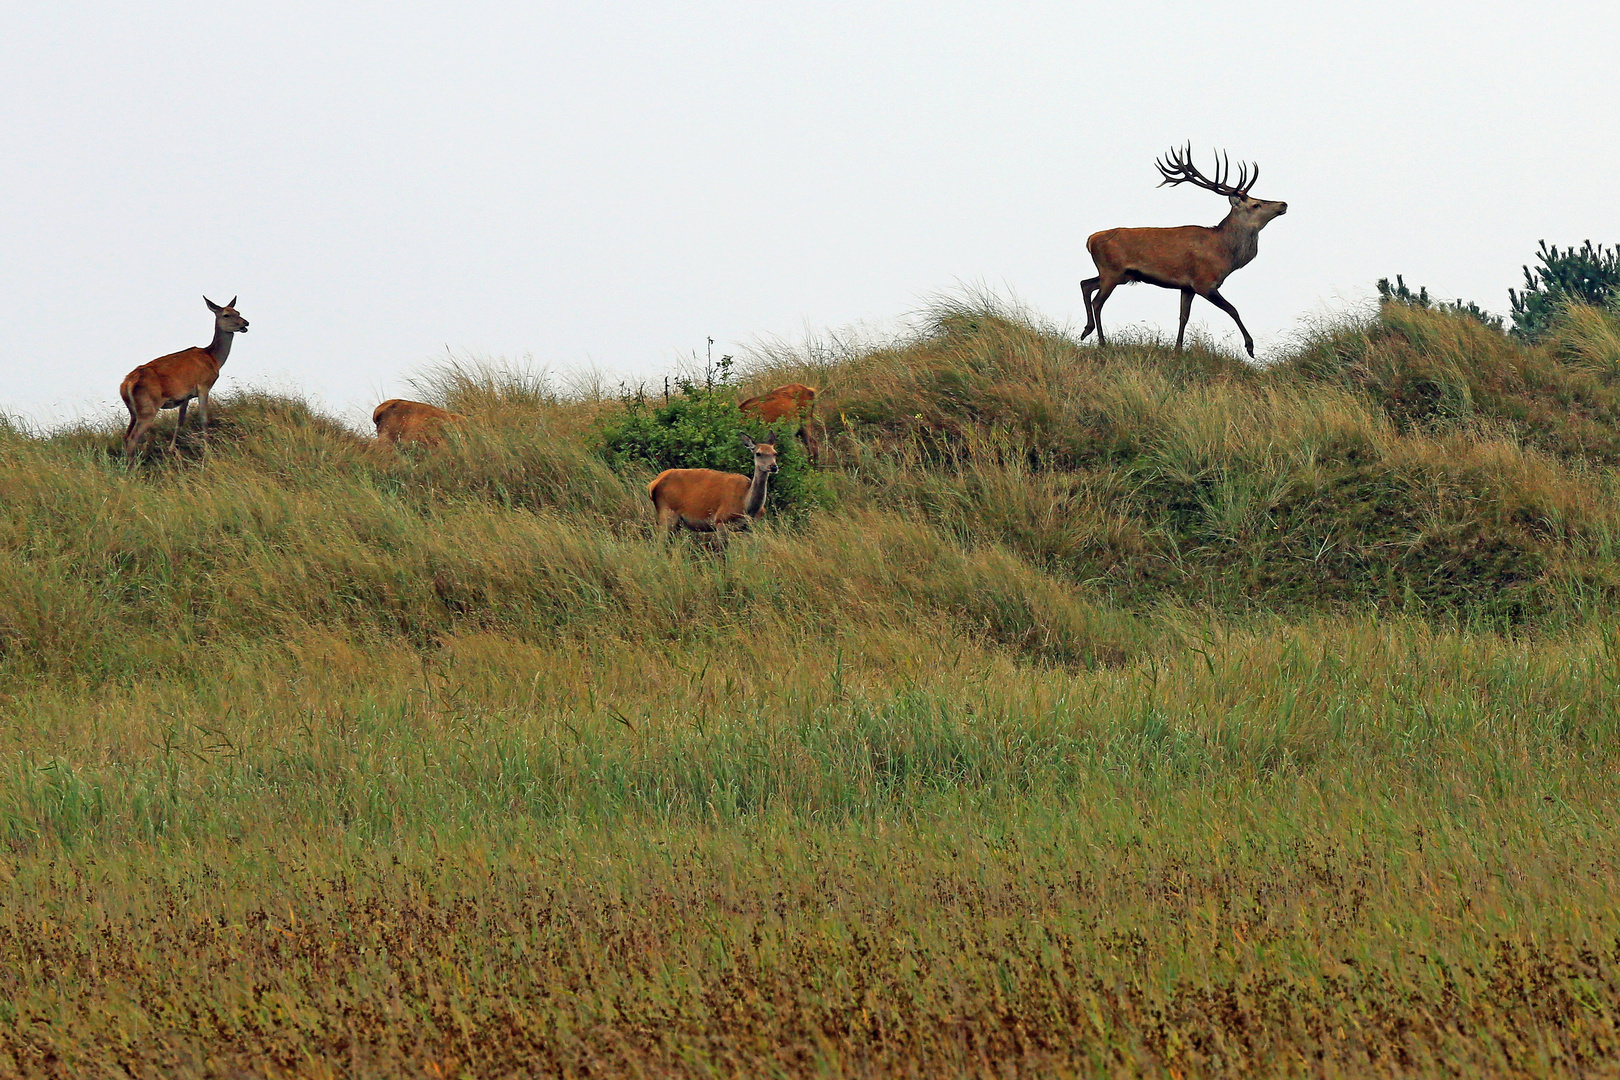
226, 316
764, 454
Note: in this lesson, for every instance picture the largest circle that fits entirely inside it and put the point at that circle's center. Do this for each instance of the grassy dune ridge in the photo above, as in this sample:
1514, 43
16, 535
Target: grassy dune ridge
1130, 712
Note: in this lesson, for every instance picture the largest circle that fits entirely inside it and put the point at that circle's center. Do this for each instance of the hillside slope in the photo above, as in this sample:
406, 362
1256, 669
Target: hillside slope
991, 475
1126, 712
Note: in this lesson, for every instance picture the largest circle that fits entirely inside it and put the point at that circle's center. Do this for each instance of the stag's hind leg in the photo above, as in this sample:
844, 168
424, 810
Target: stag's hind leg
1095, 297
1087, 287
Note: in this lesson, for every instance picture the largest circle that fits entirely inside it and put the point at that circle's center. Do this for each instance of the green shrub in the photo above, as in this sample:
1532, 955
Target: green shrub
1588, 275
700, 427
1400, 294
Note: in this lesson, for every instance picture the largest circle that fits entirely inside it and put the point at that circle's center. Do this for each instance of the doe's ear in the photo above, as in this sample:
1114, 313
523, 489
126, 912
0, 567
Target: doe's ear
747, 441
215, 308
232, 303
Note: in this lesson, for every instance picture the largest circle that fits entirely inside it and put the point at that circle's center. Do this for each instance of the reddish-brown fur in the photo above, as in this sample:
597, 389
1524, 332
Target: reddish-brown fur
709, 501
792, 400
1196, 259
173, 380
399, 421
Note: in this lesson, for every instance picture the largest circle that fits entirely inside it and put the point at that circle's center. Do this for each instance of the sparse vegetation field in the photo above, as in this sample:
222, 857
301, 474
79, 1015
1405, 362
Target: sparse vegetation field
1095, 712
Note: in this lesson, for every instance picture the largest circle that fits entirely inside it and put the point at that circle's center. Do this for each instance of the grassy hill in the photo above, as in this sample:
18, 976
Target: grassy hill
1126, 711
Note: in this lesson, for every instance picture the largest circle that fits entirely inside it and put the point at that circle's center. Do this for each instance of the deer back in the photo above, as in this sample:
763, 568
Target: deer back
701, 494
782, 402
1193, 257
171, 379
399, 420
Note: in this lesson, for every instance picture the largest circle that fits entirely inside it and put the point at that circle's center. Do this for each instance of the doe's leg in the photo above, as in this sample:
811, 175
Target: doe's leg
133, 433
176, 436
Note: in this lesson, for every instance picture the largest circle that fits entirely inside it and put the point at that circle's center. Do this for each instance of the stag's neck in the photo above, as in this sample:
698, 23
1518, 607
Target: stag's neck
1242, 240
220, 348
755, 504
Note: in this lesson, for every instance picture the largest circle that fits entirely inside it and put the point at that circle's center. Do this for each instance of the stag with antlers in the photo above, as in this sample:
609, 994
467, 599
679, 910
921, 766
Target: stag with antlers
1193, 258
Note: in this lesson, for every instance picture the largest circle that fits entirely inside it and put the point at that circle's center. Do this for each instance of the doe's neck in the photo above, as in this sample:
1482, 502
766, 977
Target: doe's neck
756, 492
220, 347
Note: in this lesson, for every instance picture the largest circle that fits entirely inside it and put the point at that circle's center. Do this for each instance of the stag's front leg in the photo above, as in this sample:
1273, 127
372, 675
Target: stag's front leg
1186, 310
1214, 297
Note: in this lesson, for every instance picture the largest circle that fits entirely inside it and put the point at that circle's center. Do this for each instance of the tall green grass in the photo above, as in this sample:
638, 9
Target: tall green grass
1131, 713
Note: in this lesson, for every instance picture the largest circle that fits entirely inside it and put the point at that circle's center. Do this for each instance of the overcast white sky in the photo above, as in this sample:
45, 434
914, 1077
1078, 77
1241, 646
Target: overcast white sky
606, 184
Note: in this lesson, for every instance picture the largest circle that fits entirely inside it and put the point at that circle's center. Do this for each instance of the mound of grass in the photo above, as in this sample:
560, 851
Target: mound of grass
1419, 462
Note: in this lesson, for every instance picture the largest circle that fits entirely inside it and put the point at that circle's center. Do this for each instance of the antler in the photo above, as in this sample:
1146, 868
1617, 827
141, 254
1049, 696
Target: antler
1180, 170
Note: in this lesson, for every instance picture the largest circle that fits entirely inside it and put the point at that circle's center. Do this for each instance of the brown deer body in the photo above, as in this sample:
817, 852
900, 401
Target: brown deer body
400, 421
709, 501
173, 380
1196, 259
792, 400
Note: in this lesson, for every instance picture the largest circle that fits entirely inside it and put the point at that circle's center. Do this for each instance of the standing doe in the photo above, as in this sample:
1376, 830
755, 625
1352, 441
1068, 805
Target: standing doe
177, 378
709, 501
1193, 258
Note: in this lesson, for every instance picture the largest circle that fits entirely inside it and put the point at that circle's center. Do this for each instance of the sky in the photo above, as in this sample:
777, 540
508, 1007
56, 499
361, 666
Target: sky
603, 187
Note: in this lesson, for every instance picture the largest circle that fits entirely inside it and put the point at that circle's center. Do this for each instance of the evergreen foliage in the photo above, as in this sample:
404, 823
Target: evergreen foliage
1585, 275
1399, 293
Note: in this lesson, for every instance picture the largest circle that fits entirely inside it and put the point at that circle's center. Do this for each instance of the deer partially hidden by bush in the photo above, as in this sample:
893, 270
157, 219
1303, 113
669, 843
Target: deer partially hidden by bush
175, 379
400, 421
1193, 258
793, 400
710, 501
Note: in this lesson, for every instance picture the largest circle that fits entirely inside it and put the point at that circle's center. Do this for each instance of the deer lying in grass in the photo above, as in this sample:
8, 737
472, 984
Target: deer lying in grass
400, 421
792, 400
708, 501
175, 379
1193, 258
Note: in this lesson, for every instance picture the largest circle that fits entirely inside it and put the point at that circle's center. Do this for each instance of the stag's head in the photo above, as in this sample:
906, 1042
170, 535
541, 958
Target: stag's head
226, 316
764, 455
1177, 168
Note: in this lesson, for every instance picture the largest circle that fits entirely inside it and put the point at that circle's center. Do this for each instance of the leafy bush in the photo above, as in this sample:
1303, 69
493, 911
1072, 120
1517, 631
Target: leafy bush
700, 427
1588, 275
1400, 294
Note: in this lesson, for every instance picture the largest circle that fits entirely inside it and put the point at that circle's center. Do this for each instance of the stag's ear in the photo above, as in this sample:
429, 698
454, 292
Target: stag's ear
1235, 200
215, 308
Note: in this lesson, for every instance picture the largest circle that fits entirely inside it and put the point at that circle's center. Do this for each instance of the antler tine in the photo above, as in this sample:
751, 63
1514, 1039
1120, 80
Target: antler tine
1177, 168
1176, 171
